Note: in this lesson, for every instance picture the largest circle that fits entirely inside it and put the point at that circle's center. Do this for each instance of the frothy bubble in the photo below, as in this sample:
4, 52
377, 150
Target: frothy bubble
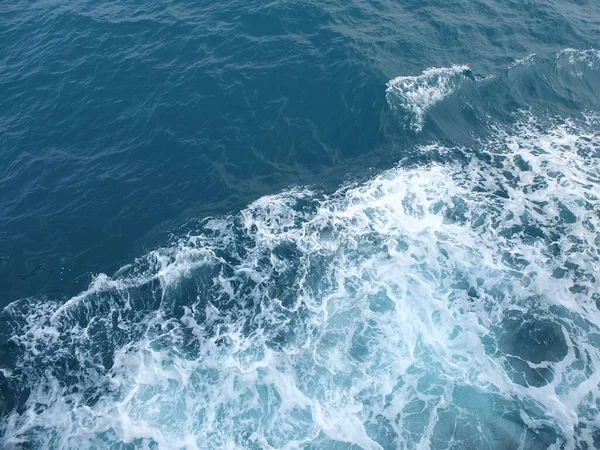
430, 307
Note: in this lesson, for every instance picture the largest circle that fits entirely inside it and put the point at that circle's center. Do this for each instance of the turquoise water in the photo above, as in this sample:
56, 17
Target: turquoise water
283, 225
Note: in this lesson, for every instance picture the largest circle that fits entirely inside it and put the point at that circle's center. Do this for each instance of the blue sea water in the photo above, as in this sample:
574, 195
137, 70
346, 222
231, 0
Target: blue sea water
359, 224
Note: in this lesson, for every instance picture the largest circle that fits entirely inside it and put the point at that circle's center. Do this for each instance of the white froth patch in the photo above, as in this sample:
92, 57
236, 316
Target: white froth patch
572, 60
416, 94
572, 56
428, 307
529, 59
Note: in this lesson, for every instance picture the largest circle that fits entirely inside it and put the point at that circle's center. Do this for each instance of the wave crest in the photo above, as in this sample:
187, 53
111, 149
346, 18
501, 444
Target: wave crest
416, 94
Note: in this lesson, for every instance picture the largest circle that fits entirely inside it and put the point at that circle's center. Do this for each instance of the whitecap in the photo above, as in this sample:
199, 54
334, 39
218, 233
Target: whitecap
416, 94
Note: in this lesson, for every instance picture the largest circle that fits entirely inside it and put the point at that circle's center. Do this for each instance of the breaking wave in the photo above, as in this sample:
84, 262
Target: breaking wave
565, 79
431, 306
569, 56
416, 94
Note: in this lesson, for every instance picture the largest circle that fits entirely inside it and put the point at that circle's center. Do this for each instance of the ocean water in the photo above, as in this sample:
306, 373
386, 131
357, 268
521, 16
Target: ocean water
351, 224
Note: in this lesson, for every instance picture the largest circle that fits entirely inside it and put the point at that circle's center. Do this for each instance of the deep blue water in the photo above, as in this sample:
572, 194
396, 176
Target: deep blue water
321, 225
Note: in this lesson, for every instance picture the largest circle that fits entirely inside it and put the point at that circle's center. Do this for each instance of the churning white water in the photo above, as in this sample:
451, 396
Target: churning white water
441, 306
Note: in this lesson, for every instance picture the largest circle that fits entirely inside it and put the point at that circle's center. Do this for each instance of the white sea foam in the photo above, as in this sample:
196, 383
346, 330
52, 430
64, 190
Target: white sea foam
429, 307
590, 57
413, 96
529, 59
569, 58
416, 94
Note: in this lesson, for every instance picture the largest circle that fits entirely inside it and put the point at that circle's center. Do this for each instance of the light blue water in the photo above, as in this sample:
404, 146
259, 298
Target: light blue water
300, 225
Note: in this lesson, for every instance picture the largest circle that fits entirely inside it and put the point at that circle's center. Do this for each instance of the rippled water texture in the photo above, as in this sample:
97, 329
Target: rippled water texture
284, 225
